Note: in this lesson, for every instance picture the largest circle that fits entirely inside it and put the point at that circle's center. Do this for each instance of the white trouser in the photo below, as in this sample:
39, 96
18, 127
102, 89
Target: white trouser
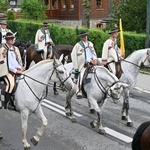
80, 78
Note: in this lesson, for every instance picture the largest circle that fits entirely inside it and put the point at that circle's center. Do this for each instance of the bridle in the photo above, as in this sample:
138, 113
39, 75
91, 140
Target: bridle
136, 64
105, 90
24, 76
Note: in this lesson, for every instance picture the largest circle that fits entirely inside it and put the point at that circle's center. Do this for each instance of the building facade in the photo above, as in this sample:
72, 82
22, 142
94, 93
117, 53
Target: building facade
69, 12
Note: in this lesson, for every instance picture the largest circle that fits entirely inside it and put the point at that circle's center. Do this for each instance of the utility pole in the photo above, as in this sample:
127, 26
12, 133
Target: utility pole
147, 42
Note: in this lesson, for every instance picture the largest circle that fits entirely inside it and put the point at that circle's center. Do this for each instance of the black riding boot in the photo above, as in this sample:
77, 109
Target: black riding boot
7, 99
55, 90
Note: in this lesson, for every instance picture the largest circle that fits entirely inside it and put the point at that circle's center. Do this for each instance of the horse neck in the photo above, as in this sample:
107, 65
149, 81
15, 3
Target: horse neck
105, 76
41, 71
136, 59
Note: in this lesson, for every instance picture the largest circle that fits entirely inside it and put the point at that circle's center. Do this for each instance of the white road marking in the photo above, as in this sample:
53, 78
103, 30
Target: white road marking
55, 107
60, 107
118, 135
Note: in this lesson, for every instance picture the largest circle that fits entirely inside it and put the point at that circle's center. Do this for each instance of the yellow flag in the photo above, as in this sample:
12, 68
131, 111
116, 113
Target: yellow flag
121, 39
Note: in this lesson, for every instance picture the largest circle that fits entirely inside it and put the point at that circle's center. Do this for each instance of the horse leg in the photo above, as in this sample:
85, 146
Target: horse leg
39, 113
92, 110
54, 89
125, 109
97, 123
68, 108
24, 120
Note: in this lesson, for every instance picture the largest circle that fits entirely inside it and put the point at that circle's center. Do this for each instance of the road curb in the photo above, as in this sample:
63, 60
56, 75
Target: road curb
141, 90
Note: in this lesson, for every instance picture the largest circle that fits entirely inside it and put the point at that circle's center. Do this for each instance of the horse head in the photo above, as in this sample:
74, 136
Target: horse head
146, 59
116, 90
62, 75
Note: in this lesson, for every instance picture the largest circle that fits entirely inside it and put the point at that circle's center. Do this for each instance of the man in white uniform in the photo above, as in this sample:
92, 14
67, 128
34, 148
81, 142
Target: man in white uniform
10, 65
3, 31
82, 53
43, 38
110, 52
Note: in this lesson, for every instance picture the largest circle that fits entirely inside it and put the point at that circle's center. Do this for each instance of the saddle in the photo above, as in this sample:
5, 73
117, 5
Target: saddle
119, 70
2, 93
118, 67
42, 51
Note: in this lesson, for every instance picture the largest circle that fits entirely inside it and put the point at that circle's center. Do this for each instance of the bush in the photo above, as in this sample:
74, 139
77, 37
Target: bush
10, 15
33, 9
65, 35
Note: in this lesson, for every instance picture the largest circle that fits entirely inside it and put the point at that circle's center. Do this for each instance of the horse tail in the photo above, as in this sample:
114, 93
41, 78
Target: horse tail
136, 144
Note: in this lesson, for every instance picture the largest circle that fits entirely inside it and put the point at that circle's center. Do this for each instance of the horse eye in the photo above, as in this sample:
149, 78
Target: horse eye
60, 71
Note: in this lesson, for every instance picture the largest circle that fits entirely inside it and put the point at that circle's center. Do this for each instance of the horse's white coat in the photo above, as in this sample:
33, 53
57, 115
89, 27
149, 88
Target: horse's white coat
94, 91
27, 102
130, 74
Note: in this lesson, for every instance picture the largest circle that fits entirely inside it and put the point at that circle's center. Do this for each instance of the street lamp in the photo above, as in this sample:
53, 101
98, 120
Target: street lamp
147, 42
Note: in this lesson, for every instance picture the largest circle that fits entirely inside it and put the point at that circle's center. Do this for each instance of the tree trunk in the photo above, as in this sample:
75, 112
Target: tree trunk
86, 9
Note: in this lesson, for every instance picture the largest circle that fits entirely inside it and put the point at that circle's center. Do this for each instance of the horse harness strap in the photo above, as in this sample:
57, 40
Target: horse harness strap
131, 63
102, 88
31, 88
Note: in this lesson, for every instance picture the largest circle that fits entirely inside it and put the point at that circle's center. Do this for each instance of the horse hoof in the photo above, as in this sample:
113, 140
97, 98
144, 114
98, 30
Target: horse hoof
56, 93
92, 124
73, 120
67, 114
130, 124
101, 131
124, 118
34, 141
27, 148
92, 111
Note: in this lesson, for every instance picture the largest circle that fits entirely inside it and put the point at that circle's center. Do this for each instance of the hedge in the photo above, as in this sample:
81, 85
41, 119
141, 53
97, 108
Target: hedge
66, 35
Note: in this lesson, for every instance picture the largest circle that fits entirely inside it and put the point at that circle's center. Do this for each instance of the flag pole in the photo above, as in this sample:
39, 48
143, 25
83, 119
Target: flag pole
121, 38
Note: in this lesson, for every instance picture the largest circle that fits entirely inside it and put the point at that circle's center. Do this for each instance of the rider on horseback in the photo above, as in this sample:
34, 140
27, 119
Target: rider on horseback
10, 65
82, 54
42, 39
110, 52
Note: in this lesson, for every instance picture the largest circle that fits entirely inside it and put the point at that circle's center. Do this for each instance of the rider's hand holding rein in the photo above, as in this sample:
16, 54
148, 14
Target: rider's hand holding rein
93, 61
19, 70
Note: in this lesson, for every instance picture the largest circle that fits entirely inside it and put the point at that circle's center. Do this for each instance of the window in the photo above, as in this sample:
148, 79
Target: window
47, 3
99, 4
63, 4
54, 4
72, 4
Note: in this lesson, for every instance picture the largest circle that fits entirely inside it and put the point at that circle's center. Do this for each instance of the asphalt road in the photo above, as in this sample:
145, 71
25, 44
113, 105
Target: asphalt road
62, 134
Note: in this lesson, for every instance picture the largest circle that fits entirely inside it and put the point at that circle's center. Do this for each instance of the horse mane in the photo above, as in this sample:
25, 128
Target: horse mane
37, 65
107, 72
138, 52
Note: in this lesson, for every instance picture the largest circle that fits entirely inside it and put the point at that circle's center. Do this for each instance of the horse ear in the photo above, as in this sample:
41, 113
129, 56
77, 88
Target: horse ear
61, 57
124, 85
148, 52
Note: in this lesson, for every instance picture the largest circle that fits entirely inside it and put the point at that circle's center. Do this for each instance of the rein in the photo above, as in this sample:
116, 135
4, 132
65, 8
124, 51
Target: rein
136, 64
132, 63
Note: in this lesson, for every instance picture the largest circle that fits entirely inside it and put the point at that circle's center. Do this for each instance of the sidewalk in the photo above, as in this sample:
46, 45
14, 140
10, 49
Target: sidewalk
143, 82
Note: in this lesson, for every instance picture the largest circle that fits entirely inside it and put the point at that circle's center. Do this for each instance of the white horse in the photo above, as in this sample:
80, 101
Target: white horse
29, 93
103, 84
131, 67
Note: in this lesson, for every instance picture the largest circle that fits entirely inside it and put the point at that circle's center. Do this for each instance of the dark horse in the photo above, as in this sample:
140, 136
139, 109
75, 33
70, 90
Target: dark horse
141, 139
57, 51
28, 54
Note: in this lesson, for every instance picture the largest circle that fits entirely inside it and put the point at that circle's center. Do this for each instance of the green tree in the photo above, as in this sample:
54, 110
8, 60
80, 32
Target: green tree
132, 13
33, 9
4, 5
86, 10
